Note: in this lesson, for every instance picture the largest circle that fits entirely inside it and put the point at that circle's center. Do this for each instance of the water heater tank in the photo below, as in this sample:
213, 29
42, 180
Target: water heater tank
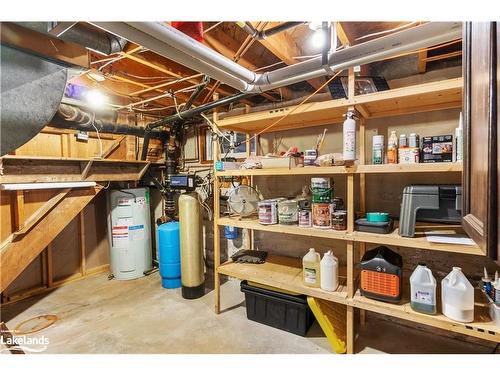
129, 233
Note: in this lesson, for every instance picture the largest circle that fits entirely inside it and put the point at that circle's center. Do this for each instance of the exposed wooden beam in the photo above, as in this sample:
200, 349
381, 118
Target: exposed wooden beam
20, 37
422, 62
17, 255
283, 46
341, 35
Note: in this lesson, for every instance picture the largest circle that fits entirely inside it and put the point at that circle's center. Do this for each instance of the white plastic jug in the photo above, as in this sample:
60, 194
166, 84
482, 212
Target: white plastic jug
423, 290
329, 272
457, 295
311, 268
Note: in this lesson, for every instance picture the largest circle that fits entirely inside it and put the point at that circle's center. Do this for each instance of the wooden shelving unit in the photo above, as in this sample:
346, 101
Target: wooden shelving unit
413, 99
285, 273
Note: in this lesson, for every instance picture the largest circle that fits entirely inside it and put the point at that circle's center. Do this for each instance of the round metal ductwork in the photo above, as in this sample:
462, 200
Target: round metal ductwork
31, 91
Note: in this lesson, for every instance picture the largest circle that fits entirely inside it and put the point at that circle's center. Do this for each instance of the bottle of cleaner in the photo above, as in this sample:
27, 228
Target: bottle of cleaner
423, 290
457, 296
329, 272
378, 149
349, 134
392, 148
311, 268
459, 144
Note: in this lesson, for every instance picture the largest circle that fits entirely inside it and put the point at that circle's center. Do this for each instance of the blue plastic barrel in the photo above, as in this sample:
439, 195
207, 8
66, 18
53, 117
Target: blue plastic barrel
169, 255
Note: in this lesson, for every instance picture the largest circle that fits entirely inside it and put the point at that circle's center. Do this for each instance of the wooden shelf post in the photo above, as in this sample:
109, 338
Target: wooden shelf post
215, 157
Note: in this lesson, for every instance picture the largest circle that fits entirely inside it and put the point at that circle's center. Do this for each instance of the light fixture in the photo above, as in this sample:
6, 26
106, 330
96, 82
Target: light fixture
315, 25
318, 39
95, 98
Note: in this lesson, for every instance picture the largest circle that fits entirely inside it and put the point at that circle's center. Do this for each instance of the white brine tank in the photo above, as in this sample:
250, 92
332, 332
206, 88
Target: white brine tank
129, 233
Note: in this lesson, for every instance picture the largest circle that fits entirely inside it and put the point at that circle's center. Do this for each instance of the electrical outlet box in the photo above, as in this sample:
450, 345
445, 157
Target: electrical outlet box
82, 136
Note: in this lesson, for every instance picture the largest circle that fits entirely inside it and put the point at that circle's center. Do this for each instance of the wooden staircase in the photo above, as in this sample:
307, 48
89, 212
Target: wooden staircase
39, 230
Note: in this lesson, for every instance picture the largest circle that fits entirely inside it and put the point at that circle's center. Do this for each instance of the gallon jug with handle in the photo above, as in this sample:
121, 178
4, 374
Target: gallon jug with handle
423, 290
311, 268
457, 295
329, 272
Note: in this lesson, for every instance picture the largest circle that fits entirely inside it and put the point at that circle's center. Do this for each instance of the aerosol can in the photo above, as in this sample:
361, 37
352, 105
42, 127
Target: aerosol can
349, 134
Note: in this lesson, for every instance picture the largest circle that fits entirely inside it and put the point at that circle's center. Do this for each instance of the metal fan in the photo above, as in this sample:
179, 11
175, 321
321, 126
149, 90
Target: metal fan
243, 200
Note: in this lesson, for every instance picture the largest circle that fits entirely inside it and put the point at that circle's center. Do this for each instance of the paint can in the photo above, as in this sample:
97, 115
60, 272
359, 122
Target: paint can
268, 212
337, 204
321, 218
339, 220
322, 189
305, 218
288, 212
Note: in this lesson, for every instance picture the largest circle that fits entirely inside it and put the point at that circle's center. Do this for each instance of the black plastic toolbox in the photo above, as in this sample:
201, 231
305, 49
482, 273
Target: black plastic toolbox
279, 310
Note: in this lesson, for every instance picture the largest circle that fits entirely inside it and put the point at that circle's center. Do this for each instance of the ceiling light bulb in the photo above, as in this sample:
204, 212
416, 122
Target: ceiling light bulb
318, 39
95, 98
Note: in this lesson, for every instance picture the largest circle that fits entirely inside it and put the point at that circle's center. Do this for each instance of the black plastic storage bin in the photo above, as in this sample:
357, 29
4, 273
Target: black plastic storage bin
279, 310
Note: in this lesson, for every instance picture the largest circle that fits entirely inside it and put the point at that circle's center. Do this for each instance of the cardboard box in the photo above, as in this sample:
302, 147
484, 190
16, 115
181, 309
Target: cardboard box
437, 149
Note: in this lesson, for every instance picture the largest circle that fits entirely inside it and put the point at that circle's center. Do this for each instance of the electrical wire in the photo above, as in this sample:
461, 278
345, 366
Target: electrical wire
98, 136
212, 27
296, 107
387, 31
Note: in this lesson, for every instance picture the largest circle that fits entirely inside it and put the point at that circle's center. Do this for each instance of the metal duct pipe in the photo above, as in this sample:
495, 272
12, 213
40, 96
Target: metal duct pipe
175, 45
31, 90
158, 45
92, 39
260, 35
418, 37
70, 117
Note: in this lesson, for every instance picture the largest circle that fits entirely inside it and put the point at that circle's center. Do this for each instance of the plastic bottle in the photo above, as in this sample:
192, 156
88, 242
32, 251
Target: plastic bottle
486, 283
329, 272
378, 149
349, 140
457, 295
311, 268
496, 286
392, 148
423, 290
459, 145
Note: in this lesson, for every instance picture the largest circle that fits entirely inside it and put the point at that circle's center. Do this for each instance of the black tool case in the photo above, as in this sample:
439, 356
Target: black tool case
279, 310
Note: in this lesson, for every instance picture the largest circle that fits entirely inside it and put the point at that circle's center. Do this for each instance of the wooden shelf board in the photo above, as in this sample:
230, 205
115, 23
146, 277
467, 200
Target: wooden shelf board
384, 168
252, 223
391, 239
482, 327
410, 168
424, 97
28, 169
281, 272
287, 171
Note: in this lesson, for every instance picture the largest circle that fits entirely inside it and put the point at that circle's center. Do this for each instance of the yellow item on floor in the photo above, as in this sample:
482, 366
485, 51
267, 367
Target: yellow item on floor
338, 346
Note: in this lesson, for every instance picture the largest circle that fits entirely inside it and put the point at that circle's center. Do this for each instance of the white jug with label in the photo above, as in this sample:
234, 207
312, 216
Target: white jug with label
329, 272
311, 268
423, 290
457, 295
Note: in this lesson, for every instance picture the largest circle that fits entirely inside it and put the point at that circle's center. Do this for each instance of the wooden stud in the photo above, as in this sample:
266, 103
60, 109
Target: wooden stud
350, 84
350, 330
18, 209
422, 62
81, 233
350, 203
215, 153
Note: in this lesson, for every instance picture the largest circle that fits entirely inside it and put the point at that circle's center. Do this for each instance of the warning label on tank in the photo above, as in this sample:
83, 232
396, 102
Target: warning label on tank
136, 232
120, 235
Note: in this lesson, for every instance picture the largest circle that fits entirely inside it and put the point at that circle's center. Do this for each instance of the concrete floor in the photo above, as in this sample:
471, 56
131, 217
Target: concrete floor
100, 316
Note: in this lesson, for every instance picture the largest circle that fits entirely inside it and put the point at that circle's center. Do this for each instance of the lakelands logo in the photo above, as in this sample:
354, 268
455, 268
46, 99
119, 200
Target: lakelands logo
25, 343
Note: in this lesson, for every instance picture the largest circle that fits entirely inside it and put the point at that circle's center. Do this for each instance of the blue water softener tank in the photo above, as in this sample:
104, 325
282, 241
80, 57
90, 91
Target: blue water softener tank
169, 255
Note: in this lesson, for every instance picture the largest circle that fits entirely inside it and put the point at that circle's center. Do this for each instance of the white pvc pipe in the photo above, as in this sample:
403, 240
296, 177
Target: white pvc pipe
47, 185
173, 44
159, 46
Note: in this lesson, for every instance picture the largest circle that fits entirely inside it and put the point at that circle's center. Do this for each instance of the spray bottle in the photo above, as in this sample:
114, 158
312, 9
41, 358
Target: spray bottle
349, 134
